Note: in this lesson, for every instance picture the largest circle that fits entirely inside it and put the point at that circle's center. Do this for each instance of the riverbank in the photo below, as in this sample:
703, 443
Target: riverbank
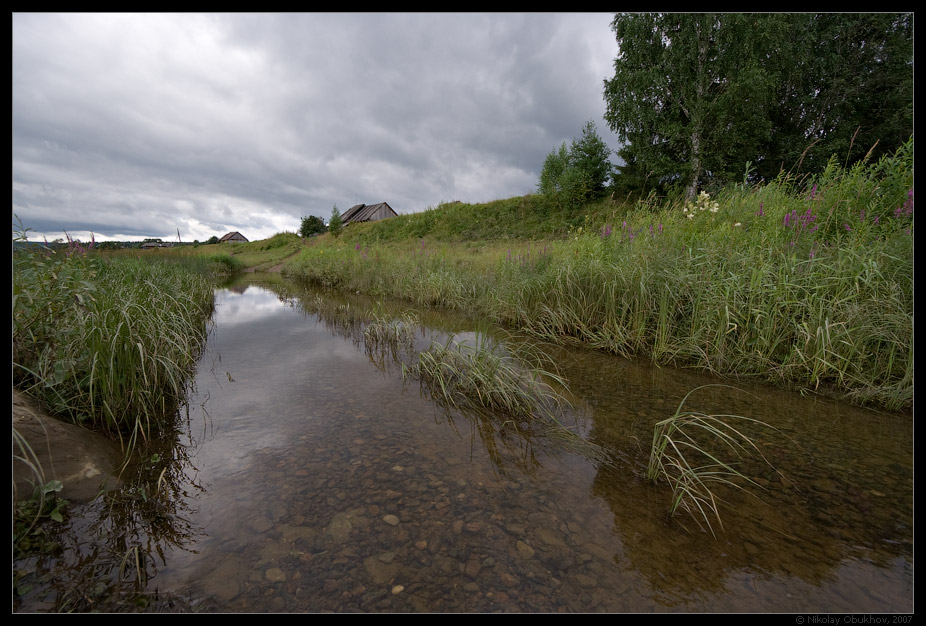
82, 461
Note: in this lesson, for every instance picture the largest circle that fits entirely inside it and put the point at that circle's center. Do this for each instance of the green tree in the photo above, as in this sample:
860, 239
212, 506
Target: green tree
551, 174
590, 156
334, 224
689, 95
694, 97
578, 174
311, 225
213, 239
844, 87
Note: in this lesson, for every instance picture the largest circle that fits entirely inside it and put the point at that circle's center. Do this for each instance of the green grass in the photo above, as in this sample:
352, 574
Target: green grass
684, 453
388, 339
501, 395
107, 343
804, 283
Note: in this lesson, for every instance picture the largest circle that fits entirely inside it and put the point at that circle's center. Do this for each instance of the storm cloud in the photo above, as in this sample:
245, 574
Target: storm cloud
142, 125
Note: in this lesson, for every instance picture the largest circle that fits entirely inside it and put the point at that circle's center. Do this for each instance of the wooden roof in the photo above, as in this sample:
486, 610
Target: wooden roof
232, 237
367, 212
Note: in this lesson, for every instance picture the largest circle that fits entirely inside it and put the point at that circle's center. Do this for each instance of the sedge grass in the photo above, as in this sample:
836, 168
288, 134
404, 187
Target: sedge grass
112, 345
684, 454
388, 338
501, 395
803, 282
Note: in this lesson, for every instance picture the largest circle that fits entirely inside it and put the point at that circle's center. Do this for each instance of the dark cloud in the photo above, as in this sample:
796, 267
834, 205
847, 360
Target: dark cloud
139, 125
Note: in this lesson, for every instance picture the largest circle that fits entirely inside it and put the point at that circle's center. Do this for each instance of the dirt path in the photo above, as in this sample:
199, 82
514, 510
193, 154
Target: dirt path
276, 268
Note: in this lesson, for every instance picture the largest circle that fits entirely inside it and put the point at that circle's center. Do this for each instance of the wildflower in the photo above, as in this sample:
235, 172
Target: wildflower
703, 203
848, 228
737, 224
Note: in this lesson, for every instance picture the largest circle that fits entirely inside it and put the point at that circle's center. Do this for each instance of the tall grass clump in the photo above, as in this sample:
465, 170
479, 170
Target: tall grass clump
107, 344
388, 338
685, 454
499, 393
805, 282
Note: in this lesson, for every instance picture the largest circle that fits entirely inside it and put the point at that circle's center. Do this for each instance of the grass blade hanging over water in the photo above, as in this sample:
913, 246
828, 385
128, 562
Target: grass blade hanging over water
682, 453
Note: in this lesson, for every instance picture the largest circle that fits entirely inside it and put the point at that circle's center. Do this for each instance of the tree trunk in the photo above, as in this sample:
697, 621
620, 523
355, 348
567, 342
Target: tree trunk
702, 79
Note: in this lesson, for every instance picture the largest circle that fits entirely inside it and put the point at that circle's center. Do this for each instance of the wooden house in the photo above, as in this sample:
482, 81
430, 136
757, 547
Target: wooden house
367, 213
234, 237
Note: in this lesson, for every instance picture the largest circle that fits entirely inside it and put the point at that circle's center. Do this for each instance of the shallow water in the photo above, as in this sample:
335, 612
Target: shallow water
310, 478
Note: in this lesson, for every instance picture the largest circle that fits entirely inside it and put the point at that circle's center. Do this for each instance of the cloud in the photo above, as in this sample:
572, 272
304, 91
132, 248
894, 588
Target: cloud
140, 124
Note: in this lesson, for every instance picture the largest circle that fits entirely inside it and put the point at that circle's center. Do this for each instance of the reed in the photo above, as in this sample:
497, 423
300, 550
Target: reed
804, 283
684, 453
387, 338
484, 382
107, 344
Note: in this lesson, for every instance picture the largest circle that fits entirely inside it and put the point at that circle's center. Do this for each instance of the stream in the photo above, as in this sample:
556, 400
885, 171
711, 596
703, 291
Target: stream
310, 475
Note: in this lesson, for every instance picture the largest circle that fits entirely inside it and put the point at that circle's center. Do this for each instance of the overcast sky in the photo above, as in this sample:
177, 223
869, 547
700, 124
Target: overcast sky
133, 126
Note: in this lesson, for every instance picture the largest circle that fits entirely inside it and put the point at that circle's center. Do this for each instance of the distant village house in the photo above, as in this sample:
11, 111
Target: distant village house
233, 237
367, 213
150, 244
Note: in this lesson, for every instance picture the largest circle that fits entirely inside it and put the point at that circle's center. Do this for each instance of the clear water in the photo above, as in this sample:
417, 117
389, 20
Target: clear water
311, 479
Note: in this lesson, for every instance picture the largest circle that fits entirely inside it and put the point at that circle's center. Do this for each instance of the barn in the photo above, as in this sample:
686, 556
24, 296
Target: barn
233, 237
367, 213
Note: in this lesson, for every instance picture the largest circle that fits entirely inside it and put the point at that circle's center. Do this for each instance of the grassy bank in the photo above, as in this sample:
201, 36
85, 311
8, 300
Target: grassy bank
804, 283
108, 343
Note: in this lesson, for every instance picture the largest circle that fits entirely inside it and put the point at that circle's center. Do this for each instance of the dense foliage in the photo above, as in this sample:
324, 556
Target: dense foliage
107, 343
574, 176
311, 225
698, 98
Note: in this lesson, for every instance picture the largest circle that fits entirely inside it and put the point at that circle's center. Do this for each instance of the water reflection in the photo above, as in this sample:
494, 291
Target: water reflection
314, 478
820, 517
109, 549
841, 498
